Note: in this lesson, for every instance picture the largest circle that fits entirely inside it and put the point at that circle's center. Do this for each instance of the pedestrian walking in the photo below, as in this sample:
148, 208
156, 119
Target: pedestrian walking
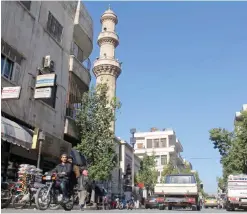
82, 191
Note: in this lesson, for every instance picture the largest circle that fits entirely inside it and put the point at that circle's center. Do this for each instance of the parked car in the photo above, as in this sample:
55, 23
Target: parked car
154, 201
210, 202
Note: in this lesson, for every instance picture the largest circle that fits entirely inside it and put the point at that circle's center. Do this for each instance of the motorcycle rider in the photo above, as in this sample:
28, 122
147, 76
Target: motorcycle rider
65, 169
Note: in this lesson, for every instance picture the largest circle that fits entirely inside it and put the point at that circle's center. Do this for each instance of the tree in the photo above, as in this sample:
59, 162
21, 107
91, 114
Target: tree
221, 184
232, 147
94, 120
168, 169
147, 173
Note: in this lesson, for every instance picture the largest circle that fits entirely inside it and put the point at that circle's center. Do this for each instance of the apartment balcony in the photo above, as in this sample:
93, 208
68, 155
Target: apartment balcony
142, 151
70, 128
83, 30
179, 145
80, 70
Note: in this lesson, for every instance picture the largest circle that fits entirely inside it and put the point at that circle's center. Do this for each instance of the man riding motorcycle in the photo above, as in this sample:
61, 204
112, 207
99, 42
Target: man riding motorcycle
65, 169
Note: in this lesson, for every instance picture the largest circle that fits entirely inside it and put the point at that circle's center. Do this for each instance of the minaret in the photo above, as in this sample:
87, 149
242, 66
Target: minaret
106, 67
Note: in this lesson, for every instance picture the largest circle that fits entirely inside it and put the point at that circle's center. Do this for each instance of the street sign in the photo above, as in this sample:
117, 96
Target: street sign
11, 92
132, 140
42, 93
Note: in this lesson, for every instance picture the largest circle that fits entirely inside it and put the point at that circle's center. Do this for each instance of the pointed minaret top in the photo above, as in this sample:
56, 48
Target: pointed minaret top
109, 7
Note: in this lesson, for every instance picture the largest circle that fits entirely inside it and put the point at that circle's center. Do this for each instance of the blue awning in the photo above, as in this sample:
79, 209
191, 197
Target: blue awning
79, 158
15, 133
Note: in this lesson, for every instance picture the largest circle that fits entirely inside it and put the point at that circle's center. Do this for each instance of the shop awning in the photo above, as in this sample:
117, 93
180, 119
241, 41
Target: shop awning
15, 133
79, 158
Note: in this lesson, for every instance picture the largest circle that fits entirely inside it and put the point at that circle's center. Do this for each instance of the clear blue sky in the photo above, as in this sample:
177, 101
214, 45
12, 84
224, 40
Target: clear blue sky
184, 67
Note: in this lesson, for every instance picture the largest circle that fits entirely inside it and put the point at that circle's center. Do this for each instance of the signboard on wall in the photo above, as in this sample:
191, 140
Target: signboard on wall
11, 92
45, 80
42, 93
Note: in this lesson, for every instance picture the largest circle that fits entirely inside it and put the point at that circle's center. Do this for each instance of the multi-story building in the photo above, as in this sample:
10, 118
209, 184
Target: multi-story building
44, 47
238, 114
163, 144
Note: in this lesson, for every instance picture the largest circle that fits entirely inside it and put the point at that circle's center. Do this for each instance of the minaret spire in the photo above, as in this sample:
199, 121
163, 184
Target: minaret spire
107, 68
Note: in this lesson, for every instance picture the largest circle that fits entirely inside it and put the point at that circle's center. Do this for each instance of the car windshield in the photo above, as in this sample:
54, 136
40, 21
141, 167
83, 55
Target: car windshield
180, 179
211, 198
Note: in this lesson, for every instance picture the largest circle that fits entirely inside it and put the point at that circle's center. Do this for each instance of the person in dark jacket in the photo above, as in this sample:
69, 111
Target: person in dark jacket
66, 170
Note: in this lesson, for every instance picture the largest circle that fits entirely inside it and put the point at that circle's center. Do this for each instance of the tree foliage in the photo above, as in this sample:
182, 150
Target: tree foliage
147, 173
221, 184
94, 120
232, 147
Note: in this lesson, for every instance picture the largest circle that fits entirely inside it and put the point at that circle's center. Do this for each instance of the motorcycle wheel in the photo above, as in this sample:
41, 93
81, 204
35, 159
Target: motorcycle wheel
18, 203
5, 202
39, 194
69, 206
54, 206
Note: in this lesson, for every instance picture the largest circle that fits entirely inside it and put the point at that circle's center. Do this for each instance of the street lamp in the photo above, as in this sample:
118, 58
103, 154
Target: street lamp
133, 141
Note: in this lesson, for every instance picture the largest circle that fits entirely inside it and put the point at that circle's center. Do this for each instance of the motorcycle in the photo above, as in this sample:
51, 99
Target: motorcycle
119, 204
49, 196
130, 204
7, 193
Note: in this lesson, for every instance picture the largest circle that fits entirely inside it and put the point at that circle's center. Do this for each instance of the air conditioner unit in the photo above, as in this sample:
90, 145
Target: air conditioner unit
48, 63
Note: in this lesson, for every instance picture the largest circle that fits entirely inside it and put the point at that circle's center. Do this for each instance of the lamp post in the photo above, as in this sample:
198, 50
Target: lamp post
133, 141
41, 139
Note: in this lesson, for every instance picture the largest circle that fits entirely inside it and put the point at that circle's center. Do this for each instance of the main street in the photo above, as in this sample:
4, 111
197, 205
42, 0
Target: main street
116, 211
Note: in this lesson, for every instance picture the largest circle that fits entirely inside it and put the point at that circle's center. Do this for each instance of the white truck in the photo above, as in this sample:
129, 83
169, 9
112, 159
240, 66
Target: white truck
236, 192
180, 190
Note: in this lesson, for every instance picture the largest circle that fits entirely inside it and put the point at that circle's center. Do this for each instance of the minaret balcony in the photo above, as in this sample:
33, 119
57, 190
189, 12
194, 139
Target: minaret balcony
80, 70
107, 61
83, 31
107, 36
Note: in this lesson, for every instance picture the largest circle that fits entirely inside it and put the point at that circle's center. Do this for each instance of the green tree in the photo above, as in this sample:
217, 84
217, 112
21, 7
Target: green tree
232, 147
186, 168
94, 120
147, 173
221, 184
168, 169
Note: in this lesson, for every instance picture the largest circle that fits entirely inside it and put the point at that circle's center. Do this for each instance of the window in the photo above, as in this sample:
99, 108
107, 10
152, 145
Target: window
139, 145
180, 179
157, 160
54, 27
158, 173
156, 143
6, 67
140, 138
163, 142
163, 159
74, 101
149, 143
26, 4
77, 52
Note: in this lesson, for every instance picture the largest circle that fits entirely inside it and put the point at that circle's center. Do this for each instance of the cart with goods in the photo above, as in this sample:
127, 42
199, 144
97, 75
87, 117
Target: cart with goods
29, 181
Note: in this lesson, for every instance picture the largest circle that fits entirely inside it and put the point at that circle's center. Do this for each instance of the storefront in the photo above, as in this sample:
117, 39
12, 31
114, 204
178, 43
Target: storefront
13, 136
17, 149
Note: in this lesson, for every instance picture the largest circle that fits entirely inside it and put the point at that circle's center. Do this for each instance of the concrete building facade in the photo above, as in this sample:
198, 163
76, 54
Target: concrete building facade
35, 34
163, 144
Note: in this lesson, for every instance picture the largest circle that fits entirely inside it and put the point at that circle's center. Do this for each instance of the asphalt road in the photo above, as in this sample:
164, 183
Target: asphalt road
118, 211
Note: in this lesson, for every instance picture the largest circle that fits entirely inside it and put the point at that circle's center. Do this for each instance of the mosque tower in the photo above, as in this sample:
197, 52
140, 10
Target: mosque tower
106, 67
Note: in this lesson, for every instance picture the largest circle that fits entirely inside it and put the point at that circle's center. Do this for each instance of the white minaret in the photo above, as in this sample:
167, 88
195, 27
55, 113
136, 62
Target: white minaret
106, 68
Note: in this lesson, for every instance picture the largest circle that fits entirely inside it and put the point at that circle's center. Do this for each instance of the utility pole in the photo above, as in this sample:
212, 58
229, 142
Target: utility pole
132, 140
41, 139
